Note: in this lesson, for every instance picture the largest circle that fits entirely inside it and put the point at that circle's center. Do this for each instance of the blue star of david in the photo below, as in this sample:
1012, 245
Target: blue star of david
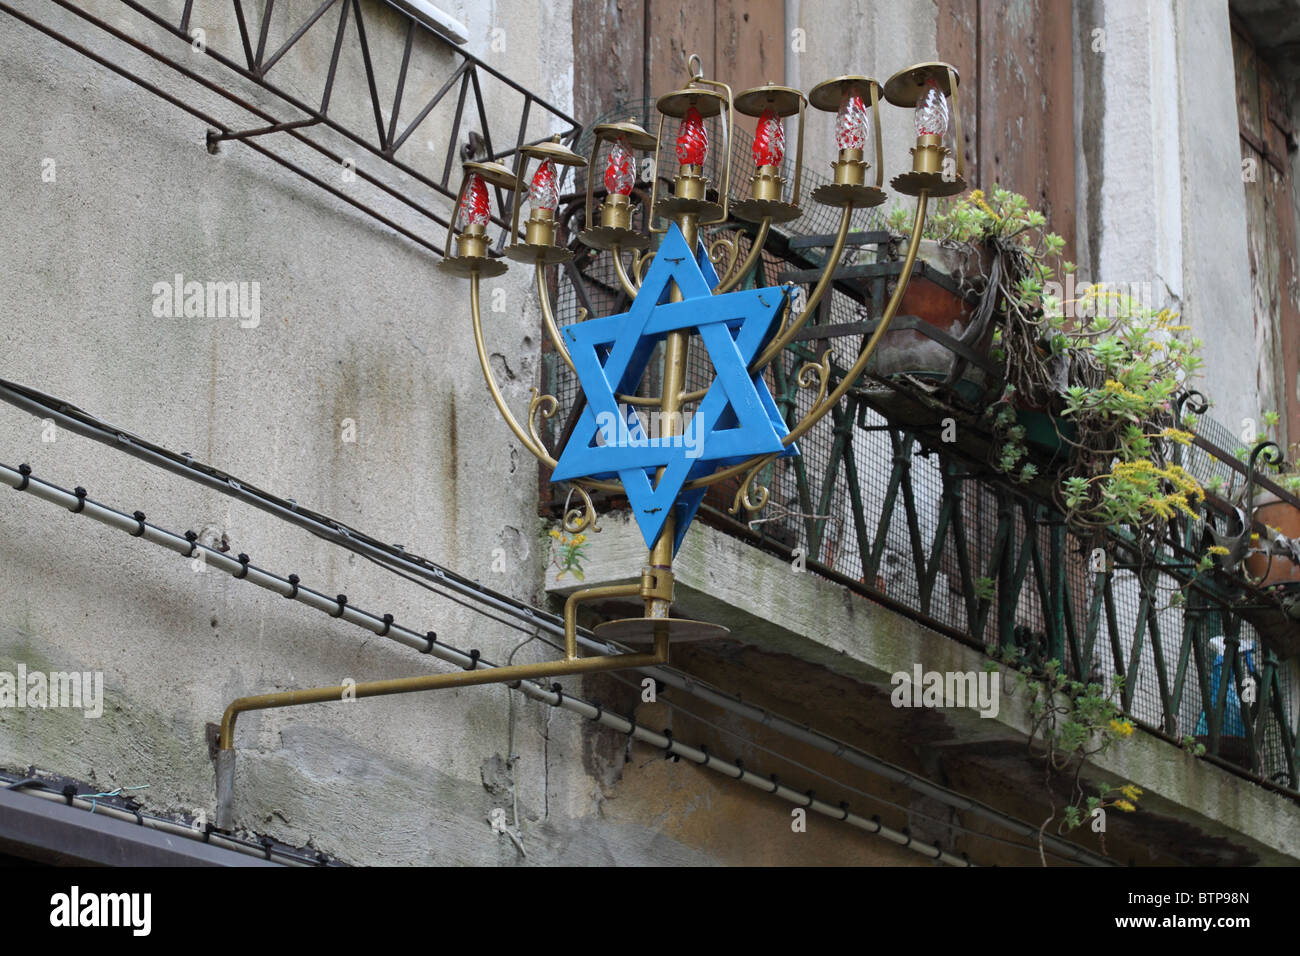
737, 418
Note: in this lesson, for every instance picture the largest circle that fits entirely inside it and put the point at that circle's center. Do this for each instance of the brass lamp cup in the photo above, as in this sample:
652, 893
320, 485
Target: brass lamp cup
765, 202
540, 228
850, 186
472, 242
616, 212
690, 187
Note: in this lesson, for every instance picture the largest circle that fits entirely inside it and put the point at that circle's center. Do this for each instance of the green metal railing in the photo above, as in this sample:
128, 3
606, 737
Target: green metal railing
894, 496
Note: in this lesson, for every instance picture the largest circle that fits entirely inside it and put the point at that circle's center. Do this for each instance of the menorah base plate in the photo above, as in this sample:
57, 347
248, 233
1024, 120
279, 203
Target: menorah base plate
607, 237
534, 253
466, 266
756, 210
671, 207
643, 630
843, 194
911, 184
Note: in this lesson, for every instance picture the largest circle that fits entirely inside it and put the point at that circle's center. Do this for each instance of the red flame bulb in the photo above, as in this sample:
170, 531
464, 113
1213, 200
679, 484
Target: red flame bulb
619, 174
851, 123
932, 111
769, 139
475, 209
544, 190
692, 139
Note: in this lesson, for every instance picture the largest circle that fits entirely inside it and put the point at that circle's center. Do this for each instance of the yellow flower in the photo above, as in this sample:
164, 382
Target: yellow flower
1125, 806
1132, 791
1122, 728
555, 534
1217, 549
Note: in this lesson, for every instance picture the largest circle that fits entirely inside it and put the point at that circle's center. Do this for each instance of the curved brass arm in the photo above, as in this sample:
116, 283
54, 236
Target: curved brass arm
570, 664
851, 376
524, 438
548, 317
820, 409
538, 452
755, 251
787, 334
630, 285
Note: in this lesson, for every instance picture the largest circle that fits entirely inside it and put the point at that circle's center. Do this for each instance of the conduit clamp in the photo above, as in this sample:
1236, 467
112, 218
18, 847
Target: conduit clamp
192, 538
600, 711
810, 800
776, 784
342, 600
243, 570
558, 691
473, 659
293, 586
631, 728
26, 472
139, 517
702, 748
432, 638
740, 767
844, 805
388, 625
80, 492
668, 747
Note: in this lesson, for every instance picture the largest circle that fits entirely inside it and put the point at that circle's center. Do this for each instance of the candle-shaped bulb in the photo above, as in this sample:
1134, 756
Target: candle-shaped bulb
544, 190
620, 176
769, 139
692, 139
932, 111
851, 123
475, 209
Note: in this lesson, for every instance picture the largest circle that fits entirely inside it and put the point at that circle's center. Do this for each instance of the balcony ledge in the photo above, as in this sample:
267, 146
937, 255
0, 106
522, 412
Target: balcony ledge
769, 605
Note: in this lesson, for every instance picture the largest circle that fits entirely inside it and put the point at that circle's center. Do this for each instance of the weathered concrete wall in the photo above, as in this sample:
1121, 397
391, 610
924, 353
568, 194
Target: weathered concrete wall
355, 323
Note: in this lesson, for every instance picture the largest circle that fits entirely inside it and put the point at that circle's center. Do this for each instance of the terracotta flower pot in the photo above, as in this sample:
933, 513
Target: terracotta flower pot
910, 352
1272, 512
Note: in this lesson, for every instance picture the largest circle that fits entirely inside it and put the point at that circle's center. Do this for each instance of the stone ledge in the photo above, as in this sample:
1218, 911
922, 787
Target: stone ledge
769, 605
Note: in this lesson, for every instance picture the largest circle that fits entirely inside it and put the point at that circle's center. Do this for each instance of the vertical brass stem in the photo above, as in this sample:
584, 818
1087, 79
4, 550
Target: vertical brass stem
670, 413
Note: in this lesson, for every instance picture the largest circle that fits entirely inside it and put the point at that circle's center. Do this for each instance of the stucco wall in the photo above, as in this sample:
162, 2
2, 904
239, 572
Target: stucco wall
355, 323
